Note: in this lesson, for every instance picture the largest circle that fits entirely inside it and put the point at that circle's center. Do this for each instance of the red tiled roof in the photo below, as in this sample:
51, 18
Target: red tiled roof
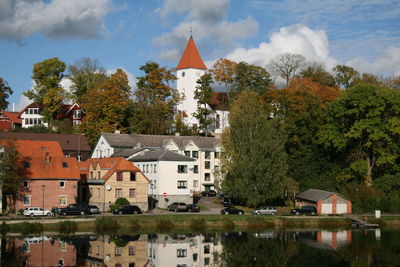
219, 101
191, 57
12, 116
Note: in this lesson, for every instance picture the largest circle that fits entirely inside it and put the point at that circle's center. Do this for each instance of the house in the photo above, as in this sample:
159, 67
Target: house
205, 150
9, 120
51, 179
325, 201
107, 179
31, 115
171, 176
190, 68
72, 145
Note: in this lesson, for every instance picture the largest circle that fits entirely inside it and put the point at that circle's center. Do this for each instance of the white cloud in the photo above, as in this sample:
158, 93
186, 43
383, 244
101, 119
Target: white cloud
23, 102
207, 20
56, 19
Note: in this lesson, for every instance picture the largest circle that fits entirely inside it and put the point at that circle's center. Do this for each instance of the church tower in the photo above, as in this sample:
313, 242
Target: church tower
190, 68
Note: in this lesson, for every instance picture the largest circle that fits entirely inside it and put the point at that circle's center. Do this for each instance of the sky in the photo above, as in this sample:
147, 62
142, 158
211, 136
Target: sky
364, 34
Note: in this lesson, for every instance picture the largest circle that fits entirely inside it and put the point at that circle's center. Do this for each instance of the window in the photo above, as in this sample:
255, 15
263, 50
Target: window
181, 253
187, 153
207, 249
27, 164
207, 155
132, 193
195, 256
118, 251
76, 122
65, 164
79, 157
182, 184
76, 114
131, 250
195, 168
195, 183
131, 264
26, 183
216, 155
182, 168
91, 175
206, 261
62, 200
155, 168
60, 262
207, 165
119, 176
183, 74
62, 184
118, 193
195, 154
133, 176
207, 177
217, 122
27, 200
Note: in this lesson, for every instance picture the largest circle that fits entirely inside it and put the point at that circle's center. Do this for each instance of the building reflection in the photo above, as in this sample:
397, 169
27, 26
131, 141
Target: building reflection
325, 239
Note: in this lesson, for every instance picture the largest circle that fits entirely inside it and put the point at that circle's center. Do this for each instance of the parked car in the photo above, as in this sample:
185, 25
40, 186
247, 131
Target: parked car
178, 206
36, 211
193, 208
305, 210
128, 209
208, 193
266, 210
79, 209
232, 210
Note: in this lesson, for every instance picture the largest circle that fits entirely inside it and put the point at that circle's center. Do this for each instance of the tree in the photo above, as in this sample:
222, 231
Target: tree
364, 127
255, 160
106, 106
12, 173
250, 77
203, 94
5, 92
155, 101
345, 76
224, 72
85, 74
318, 74
288, 65
48, 91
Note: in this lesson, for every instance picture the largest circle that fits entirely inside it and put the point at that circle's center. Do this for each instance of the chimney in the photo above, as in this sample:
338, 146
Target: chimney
48, 158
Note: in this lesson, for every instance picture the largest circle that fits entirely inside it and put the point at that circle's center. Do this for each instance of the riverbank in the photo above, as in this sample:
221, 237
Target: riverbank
184, 222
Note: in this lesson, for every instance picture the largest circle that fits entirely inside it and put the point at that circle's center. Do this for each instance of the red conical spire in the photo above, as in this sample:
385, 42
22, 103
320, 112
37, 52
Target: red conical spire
191, 57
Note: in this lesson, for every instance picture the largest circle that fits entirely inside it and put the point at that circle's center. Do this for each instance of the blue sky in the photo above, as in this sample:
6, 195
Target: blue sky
126, 33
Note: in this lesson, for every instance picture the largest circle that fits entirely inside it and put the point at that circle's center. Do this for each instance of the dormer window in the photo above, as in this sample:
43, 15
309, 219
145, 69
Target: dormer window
65, 164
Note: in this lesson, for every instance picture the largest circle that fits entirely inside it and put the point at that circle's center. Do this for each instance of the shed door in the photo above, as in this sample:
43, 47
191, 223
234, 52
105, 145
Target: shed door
341, 206
326, 208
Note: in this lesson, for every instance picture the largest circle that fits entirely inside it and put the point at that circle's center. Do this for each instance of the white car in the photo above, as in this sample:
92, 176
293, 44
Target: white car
266, 210
36, 211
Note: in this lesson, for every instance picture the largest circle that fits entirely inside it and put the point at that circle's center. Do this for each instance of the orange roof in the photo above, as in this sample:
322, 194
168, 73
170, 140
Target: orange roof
30, 148
191, 57
12, 116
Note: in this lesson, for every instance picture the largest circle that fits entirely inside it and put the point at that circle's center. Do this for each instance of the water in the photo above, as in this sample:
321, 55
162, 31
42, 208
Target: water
268, 248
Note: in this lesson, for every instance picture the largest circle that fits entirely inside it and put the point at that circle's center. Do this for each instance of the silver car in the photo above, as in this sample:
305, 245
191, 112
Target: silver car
266, 210
37, 211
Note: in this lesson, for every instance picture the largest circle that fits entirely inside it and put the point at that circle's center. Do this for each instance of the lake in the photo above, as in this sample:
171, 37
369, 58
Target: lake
265, 248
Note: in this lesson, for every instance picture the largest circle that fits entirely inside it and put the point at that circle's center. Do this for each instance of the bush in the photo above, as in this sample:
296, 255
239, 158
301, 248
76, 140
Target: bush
21, 211
67, 227
197, 224
120, 202
105, 225
4, 229
113, 207
165, 225
26, 228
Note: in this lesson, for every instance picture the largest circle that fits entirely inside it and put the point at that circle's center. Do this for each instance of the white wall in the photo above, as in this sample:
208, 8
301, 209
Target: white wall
102, 149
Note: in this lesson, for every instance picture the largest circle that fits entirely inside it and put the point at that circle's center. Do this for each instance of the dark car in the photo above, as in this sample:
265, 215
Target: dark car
232, 210
208, 193
305, 210
178, 206
129, 209
193, 208
79, 209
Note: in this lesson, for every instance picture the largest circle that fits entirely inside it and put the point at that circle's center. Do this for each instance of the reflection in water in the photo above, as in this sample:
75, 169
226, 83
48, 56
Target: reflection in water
285, 248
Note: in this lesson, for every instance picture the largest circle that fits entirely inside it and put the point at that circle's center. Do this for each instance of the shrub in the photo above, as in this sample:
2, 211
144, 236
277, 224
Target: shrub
26, 228
105, 225
4, 229
67, 227
21, 211
120, 202
165, 225
197, 224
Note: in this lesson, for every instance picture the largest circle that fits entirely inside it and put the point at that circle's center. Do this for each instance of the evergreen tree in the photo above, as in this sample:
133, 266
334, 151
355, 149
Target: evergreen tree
5, 92
203, 94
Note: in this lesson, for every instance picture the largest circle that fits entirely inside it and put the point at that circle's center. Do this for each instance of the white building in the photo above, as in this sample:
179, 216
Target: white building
190, 68
205, 151
31, 116
171, 176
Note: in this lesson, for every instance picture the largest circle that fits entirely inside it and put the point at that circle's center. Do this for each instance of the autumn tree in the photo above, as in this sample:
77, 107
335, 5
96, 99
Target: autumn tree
47, 90
85, 74
5, 92
12, 172
155, 101
224, 72
317, 73
288, 65
106, 106
203, 94
364, 127
346, 76
255, 162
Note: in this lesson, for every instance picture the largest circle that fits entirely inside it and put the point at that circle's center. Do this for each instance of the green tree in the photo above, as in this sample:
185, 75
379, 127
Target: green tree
106, 106
203, 94
155, 101
255, 163
48, 91
364, 127
318, 74
250, 77
5, 92
85, 74
346, 76
12, 173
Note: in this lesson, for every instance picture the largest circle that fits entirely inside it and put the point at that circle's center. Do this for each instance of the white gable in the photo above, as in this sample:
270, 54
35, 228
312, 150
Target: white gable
171, 145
